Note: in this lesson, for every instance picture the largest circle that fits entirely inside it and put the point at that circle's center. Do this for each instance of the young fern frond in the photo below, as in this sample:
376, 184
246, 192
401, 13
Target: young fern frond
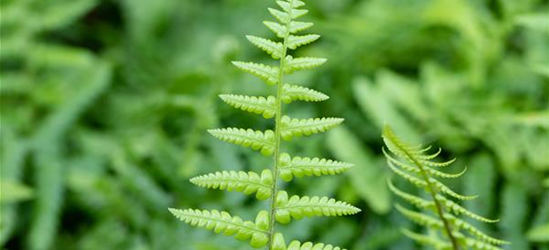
283, 208
414, 165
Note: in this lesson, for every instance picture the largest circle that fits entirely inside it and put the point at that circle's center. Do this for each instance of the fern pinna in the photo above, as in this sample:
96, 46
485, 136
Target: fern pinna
415, 165
283, 208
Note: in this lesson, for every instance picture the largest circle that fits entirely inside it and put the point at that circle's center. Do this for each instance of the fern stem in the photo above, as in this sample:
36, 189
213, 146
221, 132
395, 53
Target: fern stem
278, 137
433, 194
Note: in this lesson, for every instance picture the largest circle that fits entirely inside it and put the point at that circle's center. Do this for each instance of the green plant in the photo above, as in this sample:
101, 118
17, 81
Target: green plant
265, 185
414, 165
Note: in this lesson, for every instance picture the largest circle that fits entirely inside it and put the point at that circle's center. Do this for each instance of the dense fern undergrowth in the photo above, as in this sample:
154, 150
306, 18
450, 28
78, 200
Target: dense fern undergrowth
105, 107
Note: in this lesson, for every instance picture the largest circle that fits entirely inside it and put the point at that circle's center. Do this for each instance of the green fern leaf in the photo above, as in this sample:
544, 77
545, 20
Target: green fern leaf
280, 244
272, 48
248, 183
297, 26
286, 6
263, 232
438, 164
458, 210
299, 127
266, 73
428, 240
410, 198
223, 222
279, 29
257, 140
417, 170
297, 41
414, 165
295, 92
458, 223
298, 207
282, 17
420, 219
423, 184
446, 190
302, 63
479, 245
297, 13
300, 167
253, 104
414, 180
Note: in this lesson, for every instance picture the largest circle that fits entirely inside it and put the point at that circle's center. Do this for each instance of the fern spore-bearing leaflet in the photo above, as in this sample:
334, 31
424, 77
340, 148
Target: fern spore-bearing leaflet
283, 208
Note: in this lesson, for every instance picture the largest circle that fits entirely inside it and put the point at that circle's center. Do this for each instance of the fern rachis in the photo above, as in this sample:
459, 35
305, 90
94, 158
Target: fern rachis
262, 231
412, 164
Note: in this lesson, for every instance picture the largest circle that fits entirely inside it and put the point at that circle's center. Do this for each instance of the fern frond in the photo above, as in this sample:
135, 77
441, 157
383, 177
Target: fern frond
266, 73
438, 164
295, 92
446, 190
298, 207
300, 167
286, 6
410, 198
253, 104
428, 240
419, 218
479, 245
414, 180
279, 29
265, 186
280, 244
297, 13
415, 165
417, 170
247, 183
298, 127
297, 26
420, 156
458, 223
297, 41
257, 140
223, 222
459, 210
275, 49
281, 16
302, 63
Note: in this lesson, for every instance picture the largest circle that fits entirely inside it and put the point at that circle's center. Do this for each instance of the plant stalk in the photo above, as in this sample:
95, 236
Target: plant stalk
278, 138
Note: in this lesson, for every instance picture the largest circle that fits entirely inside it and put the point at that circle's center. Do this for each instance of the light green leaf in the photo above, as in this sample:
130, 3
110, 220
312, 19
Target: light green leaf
302, 63
295, 42
253, 104
266, 73
295, 92
247, 183
300, 167
257, 140
299, 127
272, 48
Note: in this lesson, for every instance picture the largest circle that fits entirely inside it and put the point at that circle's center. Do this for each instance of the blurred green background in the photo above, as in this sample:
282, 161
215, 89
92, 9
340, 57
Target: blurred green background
105, 107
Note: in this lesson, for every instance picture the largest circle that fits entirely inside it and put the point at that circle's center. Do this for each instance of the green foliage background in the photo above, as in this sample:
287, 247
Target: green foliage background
105, 107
